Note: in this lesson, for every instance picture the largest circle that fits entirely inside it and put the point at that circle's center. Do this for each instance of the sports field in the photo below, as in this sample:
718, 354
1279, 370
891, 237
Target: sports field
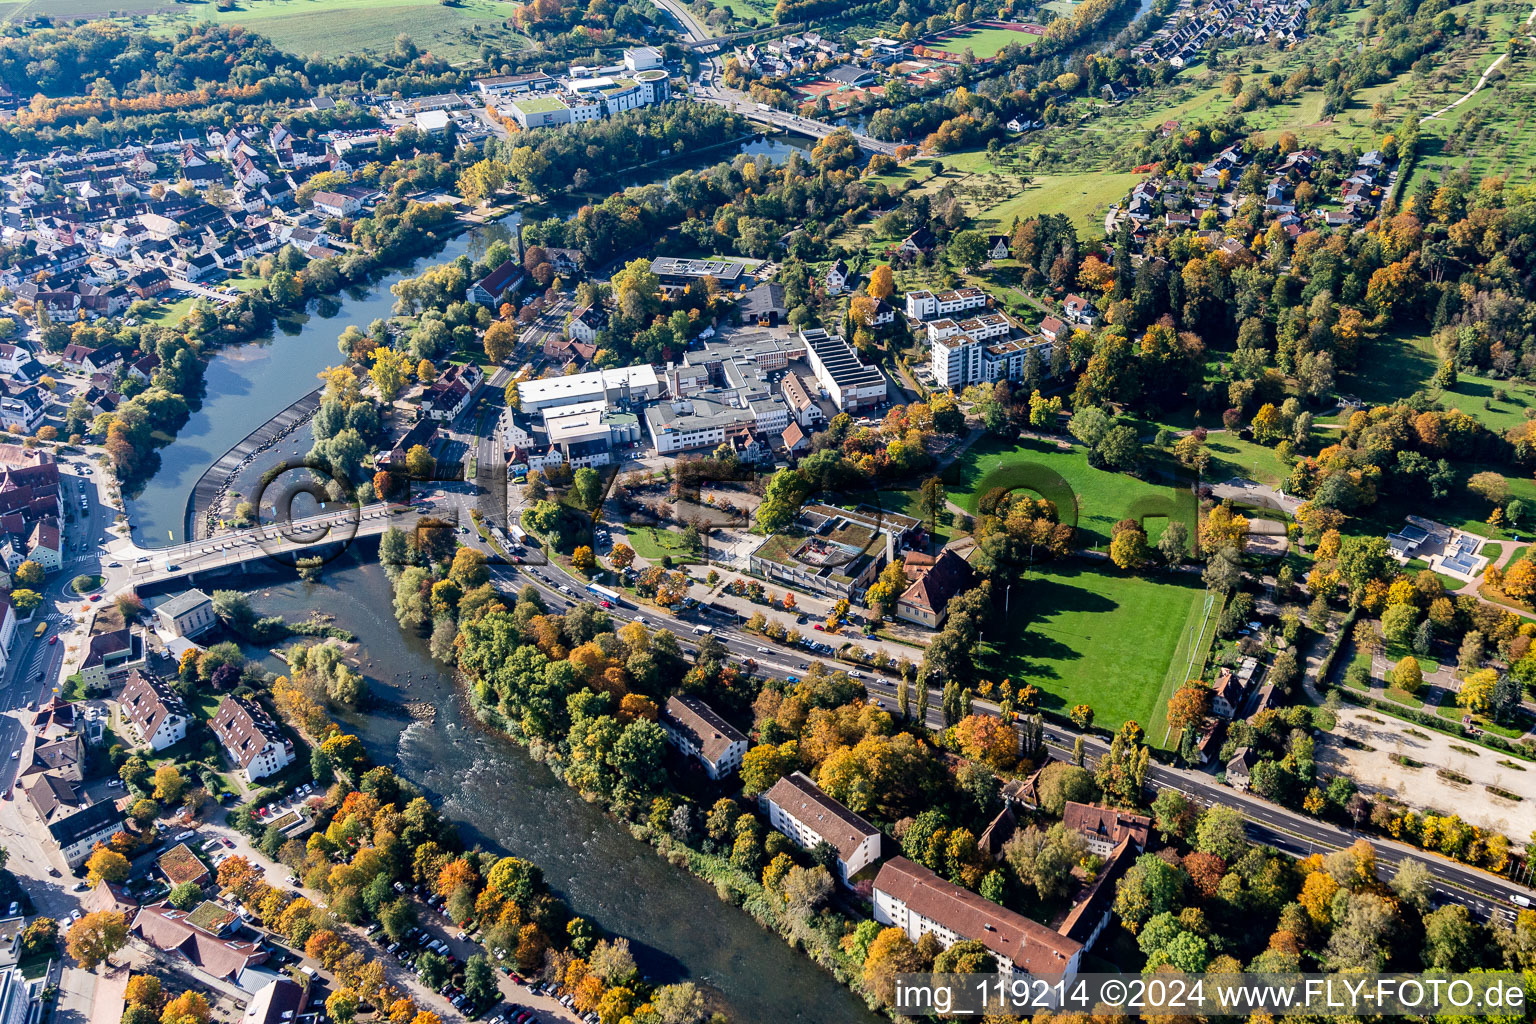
1105, 639
984, 41
1062, 475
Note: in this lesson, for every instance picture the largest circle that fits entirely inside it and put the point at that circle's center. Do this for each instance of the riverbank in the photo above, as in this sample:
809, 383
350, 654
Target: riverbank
817, 937
212, 488
500, 797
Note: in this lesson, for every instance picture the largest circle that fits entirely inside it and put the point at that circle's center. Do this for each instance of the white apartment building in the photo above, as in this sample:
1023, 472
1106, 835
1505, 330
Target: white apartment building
698, 731
798, 808
980, 348
910, 897
926, 305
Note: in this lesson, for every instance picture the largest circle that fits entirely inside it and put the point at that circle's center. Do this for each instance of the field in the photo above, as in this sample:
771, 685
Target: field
1401, 364
995, 193
331, 28
1102, 498
984, 42
1104, 639
1493, 131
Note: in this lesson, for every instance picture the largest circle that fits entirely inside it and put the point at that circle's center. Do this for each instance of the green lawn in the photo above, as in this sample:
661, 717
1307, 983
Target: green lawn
1395, 366
1232, 456
652, 545
1100, 498
995, 193
1101, 638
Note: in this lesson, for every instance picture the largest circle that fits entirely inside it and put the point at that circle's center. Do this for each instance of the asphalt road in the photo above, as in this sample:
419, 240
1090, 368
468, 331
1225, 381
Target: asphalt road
718, 94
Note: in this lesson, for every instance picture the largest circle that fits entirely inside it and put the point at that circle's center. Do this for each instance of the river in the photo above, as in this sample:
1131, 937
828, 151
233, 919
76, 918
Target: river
248, 384
678, 928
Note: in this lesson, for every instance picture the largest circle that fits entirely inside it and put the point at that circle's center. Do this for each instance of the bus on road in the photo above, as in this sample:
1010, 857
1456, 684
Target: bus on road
604, 594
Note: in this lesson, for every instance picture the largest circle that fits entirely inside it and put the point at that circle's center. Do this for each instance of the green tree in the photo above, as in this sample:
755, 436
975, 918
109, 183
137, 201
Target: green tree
1397, 624
587, 488
967, 249
479, 980
186, 896
1222, 831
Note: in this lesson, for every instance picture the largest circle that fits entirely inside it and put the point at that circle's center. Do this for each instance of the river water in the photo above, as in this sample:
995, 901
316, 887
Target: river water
249, 384
678, 928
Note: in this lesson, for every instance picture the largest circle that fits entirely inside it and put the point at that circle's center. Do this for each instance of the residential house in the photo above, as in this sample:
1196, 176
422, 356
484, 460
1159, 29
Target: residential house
335, 204
698, 731
157, 712
75, 835
92, 360
1092, 912
1052, 329
586, 322
110, 654
44, 546
1026, 791
1240, 767
997, 833
1080, 310
250, 737
423, 433
53, 798
280, 1001
1105, 827
1227, 694
839, 277
452, 392
22, 409
794, 441
926, 601
62, 758
797, 807
917, 244
997, 247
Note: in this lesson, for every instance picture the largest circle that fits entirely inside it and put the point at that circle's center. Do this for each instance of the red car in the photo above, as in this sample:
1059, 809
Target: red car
95, 598
53, 640
821, 627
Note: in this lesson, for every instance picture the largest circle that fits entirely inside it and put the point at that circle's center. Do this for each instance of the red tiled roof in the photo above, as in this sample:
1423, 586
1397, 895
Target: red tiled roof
1028, 944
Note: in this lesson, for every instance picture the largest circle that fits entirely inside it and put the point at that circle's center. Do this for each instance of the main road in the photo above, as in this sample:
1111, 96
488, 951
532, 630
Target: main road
711, 90
1486, 894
